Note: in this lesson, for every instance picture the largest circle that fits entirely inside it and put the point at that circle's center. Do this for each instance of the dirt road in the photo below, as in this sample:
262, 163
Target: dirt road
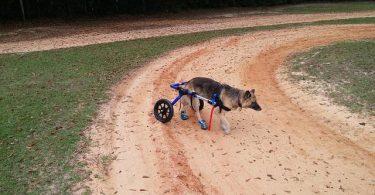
46, 38
284, 149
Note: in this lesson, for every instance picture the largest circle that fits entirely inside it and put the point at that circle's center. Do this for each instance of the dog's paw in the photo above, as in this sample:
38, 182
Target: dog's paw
203, 124
184, 116
226, 132
224, 127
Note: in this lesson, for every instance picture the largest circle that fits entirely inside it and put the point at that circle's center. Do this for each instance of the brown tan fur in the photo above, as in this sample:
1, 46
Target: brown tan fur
231, 97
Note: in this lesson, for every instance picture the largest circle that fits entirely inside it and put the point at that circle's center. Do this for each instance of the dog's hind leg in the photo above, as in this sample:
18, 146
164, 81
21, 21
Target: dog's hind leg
224, 124
195, 106
185, 101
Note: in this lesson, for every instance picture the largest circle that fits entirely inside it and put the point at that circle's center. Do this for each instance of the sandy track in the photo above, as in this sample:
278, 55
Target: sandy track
144, 29
283, 149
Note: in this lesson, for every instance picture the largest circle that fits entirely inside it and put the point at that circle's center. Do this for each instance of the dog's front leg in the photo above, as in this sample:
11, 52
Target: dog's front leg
224, 122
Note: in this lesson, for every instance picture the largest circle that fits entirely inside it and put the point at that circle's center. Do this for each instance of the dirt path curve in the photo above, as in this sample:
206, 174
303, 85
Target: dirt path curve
159, 28
283, 149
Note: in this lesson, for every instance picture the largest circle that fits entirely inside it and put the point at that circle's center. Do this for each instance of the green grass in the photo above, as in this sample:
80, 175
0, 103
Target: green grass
347, 71
330, 7
47, 98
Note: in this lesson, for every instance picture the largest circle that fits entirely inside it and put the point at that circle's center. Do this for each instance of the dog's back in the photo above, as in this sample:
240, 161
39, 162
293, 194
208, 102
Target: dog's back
205, 87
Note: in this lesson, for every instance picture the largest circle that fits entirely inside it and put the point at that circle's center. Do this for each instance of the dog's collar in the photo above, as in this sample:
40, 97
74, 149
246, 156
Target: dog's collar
222, 107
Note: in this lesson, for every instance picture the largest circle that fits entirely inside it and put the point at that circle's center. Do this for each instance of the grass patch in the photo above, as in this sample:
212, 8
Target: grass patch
346, 69
47, 98
330, 7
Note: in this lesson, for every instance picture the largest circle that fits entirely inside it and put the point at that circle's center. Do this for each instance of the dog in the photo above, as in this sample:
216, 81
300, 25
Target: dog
228, 98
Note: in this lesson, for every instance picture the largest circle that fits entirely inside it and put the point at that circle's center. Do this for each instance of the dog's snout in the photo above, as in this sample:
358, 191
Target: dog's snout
255, 106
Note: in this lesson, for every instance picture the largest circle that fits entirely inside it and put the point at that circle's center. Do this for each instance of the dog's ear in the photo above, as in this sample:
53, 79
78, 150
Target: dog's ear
247, 95
252, 91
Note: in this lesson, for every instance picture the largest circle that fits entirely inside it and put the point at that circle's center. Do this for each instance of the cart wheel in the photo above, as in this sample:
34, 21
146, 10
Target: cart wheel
163, 110
201, 104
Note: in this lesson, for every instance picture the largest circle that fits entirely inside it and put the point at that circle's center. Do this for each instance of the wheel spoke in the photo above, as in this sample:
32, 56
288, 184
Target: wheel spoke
163, 111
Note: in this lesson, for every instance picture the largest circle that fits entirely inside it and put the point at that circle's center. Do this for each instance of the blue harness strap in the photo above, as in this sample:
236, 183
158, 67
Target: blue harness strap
218, 103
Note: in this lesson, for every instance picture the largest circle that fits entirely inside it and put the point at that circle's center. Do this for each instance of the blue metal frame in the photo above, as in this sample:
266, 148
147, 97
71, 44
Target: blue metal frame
182, 92
175, 100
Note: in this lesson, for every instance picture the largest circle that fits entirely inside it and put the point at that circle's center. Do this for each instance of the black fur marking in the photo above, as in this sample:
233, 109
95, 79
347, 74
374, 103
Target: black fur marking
247, 95
206, 85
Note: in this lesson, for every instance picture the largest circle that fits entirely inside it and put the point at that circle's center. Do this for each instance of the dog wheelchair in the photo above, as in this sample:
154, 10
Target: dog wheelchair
163, 109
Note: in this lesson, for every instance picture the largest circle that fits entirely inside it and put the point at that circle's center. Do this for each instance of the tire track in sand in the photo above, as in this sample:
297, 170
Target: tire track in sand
177, 166
284, 146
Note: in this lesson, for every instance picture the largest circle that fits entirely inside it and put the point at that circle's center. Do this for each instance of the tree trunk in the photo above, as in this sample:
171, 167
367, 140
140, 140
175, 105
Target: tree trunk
67, 8
37, 2
23, 10
116, 5
143, 6
85, 5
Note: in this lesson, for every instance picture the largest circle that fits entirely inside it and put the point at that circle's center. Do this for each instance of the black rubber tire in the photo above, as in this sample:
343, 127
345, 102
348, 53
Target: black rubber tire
163, 110
201, 104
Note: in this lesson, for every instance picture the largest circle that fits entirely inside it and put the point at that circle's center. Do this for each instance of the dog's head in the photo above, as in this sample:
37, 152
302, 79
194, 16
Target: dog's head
250, 101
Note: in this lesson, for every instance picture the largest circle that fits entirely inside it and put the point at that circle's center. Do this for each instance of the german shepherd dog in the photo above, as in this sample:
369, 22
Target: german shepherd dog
228, 98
